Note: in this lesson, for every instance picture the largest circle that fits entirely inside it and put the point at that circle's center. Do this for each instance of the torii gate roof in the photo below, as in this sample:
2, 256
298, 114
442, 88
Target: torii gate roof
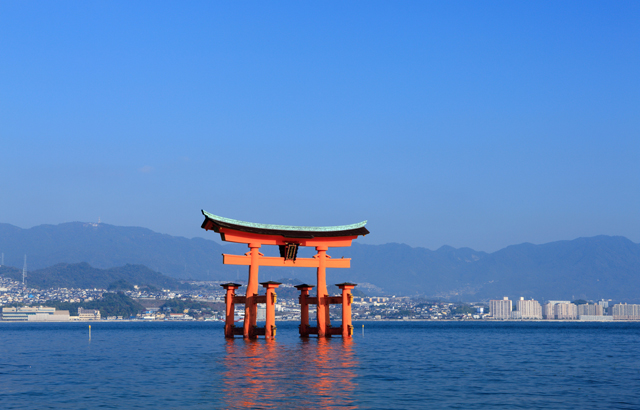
214, 222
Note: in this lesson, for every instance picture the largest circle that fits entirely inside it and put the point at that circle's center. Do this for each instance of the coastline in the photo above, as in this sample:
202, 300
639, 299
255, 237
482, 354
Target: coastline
359, 321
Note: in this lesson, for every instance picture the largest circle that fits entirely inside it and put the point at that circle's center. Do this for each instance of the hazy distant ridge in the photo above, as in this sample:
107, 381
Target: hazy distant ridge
601, 266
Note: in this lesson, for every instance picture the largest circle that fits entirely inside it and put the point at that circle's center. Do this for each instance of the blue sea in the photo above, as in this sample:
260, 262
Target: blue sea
394, 365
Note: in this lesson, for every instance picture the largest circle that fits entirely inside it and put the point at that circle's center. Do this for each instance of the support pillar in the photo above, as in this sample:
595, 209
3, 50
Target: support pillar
304, 308
250, 306
324, 322
270, 301
347, 298
230, 308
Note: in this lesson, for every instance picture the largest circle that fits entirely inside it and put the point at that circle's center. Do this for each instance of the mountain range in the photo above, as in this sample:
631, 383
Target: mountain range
586, 268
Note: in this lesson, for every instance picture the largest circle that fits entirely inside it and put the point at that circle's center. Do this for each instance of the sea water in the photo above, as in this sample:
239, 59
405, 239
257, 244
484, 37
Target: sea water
395, 365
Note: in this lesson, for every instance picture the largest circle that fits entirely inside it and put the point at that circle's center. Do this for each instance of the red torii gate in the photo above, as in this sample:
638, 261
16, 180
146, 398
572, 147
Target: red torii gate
288, 238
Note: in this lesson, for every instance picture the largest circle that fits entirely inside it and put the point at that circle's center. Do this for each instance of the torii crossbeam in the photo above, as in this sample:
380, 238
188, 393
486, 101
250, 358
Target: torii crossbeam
288, 238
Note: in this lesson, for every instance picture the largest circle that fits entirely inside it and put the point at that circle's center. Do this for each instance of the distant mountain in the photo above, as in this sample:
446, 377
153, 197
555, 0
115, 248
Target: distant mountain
587, 268
401, 269
82, 275
106, 246
584, 268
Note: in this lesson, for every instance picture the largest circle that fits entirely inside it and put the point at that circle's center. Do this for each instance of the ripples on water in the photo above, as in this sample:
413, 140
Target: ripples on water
399, 365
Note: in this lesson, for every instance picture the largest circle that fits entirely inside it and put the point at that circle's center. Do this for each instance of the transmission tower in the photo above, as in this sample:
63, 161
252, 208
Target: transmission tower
24, 273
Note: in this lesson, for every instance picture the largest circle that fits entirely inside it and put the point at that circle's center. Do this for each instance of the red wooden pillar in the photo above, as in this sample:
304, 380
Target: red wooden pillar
271, 298
250, 306
230, 308
347, 298
304, 308
324, 322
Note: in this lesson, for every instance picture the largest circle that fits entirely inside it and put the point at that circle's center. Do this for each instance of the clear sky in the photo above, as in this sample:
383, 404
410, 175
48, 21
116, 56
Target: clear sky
479, 124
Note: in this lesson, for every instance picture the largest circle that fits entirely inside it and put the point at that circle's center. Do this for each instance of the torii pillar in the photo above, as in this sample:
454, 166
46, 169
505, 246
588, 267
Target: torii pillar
270, 301
324, 322
251, 305
347, 299
229, 299
304, 308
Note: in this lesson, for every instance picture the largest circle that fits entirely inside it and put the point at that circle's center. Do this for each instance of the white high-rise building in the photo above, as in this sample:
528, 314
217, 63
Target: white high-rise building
529, 309
625, 312
500, 309
549, 310
262, 312
590, 309
565, 311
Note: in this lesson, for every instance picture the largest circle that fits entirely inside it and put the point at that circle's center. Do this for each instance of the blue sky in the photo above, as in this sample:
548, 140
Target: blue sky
479, 124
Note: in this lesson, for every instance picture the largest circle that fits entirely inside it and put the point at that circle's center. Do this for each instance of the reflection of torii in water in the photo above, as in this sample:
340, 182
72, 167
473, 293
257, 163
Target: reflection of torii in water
314, 373
288, 238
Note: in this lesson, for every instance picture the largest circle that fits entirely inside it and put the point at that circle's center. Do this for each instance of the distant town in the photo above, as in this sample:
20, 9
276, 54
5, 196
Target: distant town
206, 302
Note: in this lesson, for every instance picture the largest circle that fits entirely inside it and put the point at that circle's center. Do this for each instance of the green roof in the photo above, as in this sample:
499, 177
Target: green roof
285, 227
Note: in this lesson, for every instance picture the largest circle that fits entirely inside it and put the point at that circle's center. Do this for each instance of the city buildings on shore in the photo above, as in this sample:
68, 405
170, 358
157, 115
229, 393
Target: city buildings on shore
88, 314
502, 309
34, 314
46, 314
28, 305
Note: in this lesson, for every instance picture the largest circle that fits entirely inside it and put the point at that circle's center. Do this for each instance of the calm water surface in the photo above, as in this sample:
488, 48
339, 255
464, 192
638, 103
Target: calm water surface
396, 365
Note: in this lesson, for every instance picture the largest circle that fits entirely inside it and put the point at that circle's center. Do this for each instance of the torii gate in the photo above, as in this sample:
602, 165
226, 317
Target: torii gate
288, 238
